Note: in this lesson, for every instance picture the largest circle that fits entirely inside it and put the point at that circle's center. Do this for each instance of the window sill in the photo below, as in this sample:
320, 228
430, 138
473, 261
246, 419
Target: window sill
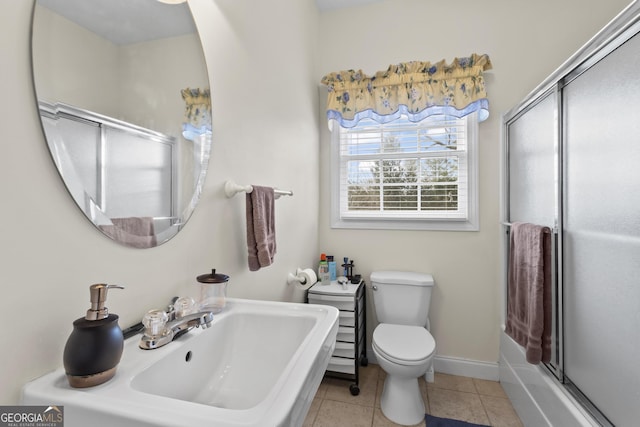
396, 224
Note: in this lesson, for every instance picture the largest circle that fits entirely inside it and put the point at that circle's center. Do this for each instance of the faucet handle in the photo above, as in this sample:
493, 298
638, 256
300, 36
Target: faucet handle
154, 322
184, 306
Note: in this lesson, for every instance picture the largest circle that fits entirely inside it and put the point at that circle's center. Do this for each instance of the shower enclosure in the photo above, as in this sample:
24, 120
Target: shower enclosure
572, 162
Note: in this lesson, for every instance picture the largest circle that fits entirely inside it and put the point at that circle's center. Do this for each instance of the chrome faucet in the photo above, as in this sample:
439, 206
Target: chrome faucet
162, 327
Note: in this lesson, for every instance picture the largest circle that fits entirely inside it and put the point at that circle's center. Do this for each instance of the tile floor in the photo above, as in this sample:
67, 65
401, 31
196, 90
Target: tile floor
462, 398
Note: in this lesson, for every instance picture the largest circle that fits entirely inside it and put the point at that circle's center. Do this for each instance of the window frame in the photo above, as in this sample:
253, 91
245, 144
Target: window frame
372, 221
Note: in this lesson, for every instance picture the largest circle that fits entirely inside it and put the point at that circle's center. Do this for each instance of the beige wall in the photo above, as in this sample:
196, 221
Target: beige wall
526, 41
93, 83
261, 57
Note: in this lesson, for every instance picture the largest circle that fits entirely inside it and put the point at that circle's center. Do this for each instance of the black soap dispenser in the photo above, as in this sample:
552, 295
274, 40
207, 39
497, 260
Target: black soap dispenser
94, 348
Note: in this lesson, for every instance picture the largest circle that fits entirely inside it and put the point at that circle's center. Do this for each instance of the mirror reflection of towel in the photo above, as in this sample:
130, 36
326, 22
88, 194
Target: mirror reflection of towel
135, 232
529, 290
261, 230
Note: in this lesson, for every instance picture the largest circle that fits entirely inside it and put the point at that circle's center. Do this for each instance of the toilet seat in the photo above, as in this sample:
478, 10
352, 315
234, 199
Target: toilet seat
403, 344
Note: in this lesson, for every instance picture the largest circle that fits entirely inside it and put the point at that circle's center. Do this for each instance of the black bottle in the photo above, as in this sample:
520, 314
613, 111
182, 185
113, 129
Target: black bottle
94, 348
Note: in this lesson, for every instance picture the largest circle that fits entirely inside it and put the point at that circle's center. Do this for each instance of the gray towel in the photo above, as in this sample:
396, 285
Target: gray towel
135, 232
261, 230
529, 290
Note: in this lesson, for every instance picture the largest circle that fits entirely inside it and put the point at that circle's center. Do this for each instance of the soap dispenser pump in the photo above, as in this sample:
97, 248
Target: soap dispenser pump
94, 348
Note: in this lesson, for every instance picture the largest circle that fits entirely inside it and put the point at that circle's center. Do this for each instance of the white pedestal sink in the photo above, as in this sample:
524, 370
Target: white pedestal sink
259, 364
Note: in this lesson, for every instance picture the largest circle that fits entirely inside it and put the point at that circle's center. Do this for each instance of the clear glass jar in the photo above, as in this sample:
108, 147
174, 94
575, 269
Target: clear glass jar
213, 291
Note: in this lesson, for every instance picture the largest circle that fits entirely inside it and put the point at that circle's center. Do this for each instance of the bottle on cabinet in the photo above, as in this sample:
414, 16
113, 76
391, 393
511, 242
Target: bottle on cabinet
333, 268
323, 270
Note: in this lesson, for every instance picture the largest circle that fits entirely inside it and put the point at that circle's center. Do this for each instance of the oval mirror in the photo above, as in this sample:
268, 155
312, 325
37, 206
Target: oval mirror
123, 94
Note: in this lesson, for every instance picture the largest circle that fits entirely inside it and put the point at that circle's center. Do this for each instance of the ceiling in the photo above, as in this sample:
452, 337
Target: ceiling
126, 21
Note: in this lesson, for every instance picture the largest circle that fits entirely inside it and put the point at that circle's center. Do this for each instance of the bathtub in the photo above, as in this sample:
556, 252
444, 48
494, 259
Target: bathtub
537, 396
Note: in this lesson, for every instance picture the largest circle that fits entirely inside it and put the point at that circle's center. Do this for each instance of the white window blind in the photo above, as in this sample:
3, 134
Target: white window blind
404, 172
404, 169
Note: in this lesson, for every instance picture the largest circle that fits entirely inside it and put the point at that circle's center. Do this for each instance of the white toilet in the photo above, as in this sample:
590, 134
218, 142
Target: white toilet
403, 346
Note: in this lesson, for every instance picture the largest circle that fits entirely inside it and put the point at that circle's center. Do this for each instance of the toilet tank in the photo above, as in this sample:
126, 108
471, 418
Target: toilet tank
402, 297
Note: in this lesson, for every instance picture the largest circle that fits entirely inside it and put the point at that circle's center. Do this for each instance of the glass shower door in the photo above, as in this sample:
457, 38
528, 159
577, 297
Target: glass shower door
533, 181
602, 234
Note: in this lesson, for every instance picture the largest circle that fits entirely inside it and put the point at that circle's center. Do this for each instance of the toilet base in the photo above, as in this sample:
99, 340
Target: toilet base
401, 400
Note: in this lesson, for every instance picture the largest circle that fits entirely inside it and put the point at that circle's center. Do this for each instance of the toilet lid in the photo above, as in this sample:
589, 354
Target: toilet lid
404, 342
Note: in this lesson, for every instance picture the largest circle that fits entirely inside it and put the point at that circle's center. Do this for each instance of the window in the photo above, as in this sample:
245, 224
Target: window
417, 171
404, 175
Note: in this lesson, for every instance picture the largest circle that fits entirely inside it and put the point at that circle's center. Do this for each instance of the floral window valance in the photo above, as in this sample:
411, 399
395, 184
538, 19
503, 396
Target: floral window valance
415, 89
197, 114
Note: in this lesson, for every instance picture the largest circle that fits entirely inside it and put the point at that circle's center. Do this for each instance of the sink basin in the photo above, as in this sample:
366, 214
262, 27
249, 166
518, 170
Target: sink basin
259, 364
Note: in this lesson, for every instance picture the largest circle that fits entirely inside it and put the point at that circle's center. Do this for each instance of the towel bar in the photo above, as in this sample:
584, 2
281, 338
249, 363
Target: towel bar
231, 189
554, 230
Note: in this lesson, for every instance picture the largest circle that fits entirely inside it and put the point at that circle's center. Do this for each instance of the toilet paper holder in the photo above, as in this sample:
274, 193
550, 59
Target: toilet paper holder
302, 277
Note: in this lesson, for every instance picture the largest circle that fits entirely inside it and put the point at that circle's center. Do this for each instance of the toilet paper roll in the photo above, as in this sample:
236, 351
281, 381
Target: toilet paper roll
305, 278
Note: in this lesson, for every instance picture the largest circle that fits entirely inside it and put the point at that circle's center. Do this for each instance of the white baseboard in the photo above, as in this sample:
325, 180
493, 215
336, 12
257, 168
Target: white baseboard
467, 367
458, 366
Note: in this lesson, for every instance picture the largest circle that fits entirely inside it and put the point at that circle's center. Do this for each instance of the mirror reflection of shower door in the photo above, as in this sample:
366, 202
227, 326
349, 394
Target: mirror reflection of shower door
114, 169
136, 175
75, 158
